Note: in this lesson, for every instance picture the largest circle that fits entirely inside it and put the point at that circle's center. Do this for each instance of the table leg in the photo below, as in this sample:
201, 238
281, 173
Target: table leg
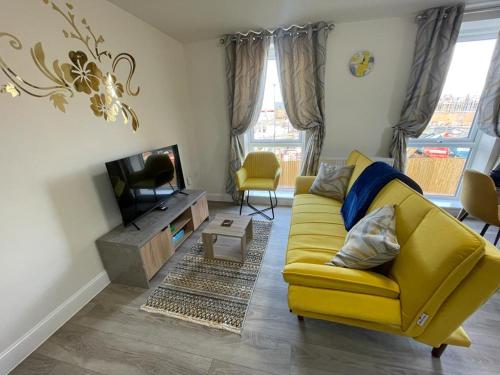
249, 232
244, 246
208, 245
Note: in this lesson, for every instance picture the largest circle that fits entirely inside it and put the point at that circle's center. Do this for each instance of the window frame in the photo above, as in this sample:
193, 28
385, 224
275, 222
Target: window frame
468, 34
250, 141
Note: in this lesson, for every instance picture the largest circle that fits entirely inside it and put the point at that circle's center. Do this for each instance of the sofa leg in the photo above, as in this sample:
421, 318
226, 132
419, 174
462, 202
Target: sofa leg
485, 229
437, 352
300, 318
462, 215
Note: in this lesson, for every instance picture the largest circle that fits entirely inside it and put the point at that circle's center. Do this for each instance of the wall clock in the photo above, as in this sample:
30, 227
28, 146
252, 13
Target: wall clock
361, 63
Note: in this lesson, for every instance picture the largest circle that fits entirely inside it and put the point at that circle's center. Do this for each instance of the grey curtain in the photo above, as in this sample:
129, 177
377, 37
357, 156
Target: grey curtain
488, 111
436, 37
246, 61
301, 58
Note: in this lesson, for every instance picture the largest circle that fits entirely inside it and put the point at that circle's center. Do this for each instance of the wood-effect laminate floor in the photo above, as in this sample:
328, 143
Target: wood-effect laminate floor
110, 335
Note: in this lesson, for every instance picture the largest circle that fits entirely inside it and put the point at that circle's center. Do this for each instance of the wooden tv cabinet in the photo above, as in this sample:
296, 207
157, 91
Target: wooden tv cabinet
133, 257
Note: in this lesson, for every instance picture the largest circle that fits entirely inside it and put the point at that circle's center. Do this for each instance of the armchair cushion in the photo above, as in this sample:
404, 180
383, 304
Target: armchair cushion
255, 183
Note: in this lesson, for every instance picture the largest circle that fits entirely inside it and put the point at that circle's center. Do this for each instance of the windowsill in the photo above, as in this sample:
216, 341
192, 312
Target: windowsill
280, 193
452, 203
444, 202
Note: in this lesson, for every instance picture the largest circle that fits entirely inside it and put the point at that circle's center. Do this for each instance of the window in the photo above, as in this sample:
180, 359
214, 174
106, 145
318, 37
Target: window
274, 132
438, 157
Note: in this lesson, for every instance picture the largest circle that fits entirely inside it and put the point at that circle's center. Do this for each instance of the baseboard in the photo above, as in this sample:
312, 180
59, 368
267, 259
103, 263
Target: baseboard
264, 200
29, 342
215, 197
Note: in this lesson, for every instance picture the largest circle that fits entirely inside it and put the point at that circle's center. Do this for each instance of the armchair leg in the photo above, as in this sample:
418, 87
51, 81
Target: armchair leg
263, 211
241, 200
437, 352
497, 237
272, 206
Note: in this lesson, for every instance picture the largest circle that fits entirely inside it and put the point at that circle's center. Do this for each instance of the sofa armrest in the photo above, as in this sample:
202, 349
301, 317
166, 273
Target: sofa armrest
241, 176
345, 279
303, 183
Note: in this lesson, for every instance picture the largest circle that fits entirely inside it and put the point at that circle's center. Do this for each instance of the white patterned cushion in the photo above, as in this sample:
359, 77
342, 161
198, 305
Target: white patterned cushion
331, 182
371, 242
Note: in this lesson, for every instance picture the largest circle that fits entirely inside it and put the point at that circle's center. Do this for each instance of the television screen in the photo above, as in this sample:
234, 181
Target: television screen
145, 181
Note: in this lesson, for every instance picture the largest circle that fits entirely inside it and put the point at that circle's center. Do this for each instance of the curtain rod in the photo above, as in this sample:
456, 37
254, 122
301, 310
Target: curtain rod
471, 11
269, 32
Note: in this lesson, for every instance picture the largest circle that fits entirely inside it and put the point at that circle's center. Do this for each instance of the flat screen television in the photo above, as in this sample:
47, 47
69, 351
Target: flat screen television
145, 181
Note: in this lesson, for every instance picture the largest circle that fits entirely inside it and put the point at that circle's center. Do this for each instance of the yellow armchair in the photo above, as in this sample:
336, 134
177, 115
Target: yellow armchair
260, 171
479, 199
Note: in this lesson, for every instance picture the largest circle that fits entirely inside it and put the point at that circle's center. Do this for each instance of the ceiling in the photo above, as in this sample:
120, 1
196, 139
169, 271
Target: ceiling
194, 20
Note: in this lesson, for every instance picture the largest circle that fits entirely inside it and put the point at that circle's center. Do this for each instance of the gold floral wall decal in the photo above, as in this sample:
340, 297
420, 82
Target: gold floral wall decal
83, 71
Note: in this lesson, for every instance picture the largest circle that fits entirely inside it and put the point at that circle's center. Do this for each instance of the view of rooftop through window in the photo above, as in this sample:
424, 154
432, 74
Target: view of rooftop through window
465, 80
437, 159
273, 130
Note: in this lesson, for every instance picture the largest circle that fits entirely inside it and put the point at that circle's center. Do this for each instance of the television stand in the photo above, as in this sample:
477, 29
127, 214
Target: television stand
132, 256
180, 191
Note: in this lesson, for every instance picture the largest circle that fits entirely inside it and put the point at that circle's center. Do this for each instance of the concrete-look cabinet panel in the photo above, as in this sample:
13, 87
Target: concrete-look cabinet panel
133, 257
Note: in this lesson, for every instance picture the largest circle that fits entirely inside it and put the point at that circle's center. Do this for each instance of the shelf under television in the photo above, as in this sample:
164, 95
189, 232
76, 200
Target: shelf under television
180, 224
179, 242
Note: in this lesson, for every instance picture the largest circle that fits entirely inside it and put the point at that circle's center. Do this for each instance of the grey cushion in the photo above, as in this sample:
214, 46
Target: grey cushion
331, 182
371, 242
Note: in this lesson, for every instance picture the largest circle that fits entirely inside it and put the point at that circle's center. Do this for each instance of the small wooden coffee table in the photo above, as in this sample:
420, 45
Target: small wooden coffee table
241, 228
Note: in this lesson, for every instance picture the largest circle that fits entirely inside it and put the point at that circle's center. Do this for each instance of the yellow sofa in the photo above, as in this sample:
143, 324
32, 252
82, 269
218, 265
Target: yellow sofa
444, 272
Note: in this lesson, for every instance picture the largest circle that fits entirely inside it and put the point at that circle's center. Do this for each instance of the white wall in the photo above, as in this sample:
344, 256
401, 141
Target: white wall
207, 83
359, 111
55, 195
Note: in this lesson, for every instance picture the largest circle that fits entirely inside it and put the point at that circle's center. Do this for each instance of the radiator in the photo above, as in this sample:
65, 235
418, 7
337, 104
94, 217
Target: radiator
340, 162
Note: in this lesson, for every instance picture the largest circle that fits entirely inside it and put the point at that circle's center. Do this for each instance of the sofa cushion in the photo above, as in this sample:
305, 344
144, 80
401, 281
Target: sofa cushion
348, 280
371, 242
361, 162
332, 182
337, 303
316, 231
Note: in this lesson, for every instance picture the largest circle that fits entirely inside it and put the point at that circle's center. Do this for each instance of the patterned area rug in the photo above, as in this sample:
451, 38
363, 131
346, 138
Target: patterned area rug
211, 292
